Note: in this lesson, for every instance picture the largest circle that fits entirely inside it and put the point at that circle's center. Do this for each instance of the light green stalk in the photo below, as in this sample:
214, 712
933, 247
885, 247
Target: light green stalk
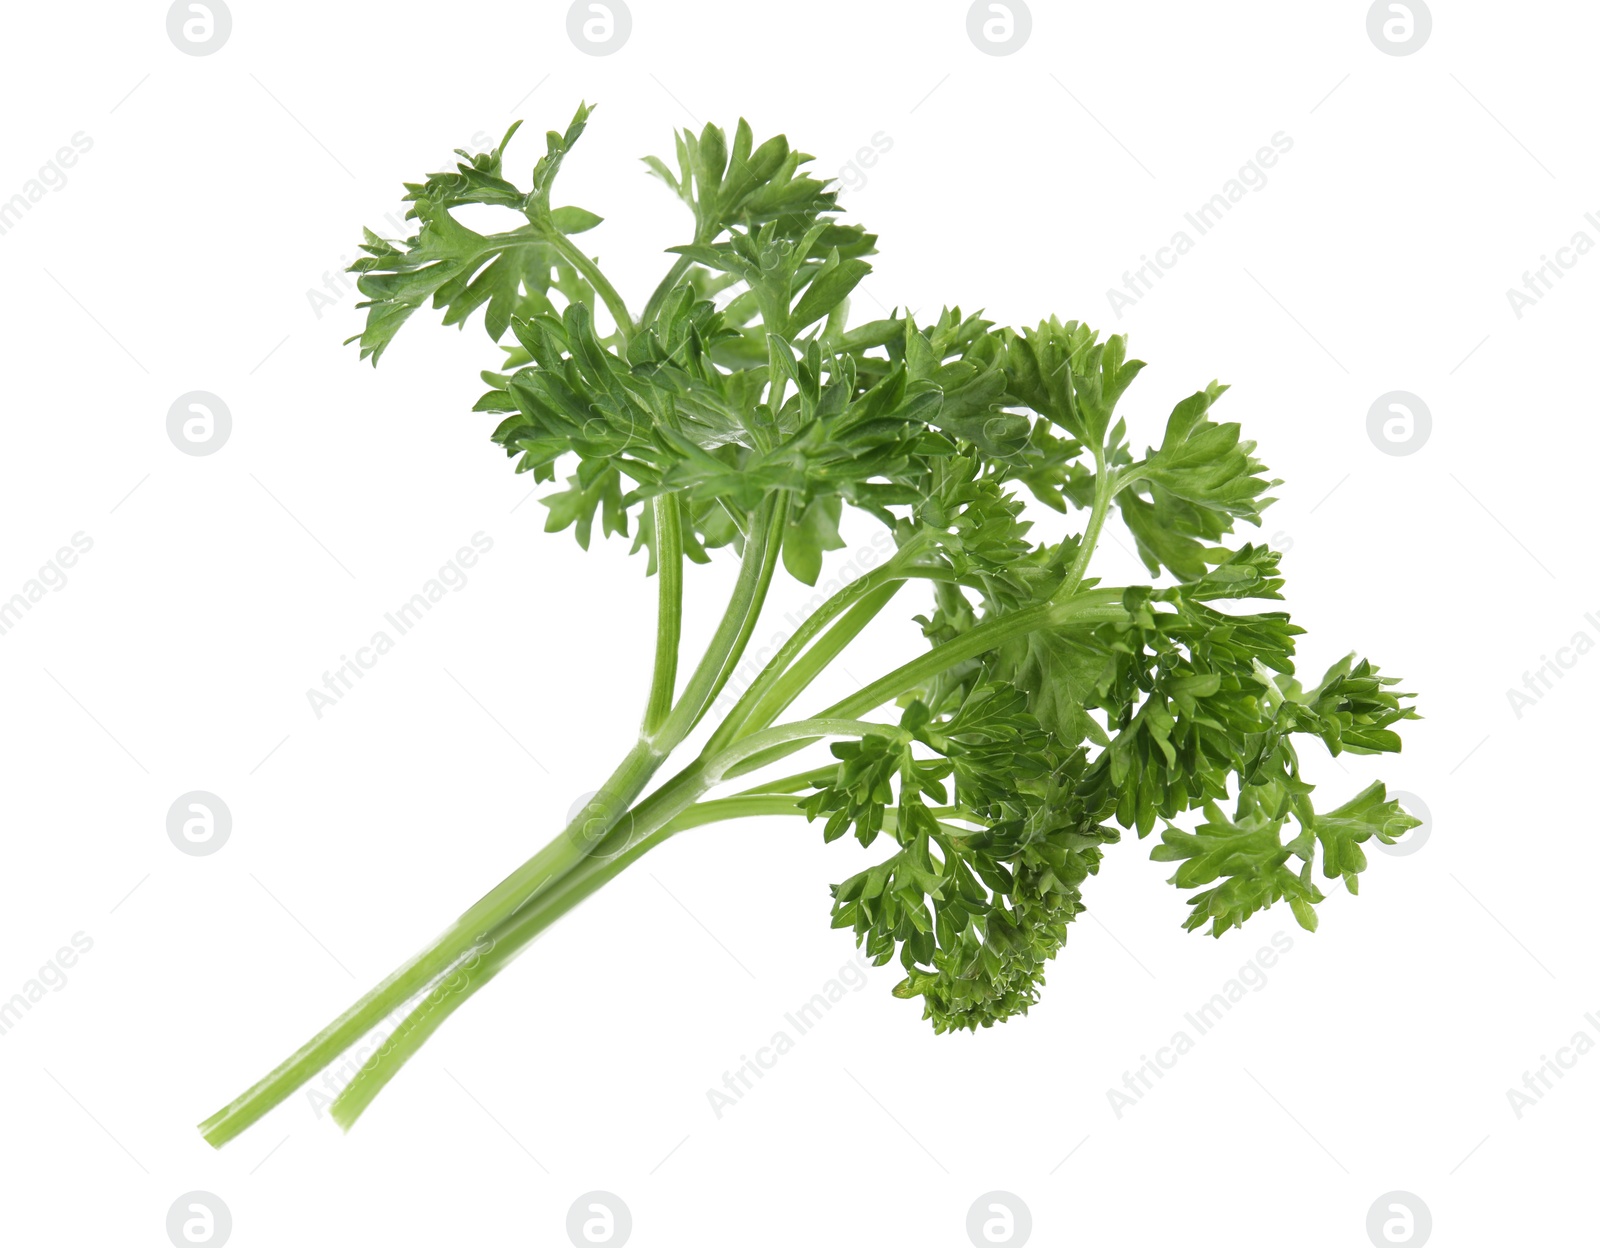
545, 868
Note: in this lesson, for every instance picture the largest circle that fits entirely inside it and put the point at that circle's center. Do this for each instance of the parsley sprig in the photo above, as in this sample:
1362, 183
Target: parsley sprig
1045, 715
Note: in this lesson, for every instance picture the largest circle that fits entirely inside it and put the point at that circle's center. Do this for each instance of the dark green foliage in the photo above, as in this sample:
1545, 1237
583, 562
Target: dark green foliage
1011, 769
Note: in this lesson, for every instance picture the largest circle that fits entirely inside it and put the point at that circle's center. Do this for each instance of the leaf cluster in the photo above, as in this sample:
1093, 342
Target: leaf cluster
742, 380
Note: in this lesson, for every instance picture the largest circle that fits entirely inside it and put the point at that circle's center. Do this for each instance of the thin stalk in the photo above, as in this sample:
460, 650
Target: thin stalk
652, 822
1095, 607
1084, 609
720, 766
659, 296
669, 611
778, 379
414, 976
574, 255
720, 809
789, 784
546, 867
488, 960
769, 565
782, 693
726, 645
813, 624
1104, 489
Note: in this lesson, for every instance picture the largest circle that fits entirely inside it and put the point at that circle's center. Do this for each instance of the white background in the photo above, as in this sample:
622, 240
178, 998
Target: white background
179, 256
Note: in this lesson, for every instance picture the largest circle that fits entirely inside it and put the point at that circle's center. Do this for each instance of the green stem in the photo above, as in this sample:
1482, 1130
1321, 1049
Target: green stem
482, 965
815, 661
574, 255
513, 893
1097, 606
746, 709
720, 766
769, 565
777, 378
671, 809
669, 617
659, 295
1104, 489
492, 909
709, 770
726, 645
789, 784
720, 809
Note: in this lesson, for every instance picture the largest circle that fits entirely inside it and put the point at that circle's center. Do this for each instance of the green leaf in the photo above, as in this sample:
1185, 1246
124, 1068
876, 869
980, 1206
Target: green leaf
829, 289
574, 220
1206, 464
811, 534
1049, 709
1060, 672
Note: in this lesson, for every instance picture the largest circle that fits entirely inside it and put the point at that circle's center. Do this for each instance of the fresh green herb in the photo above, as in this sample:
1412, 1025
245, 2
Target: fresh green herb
1046, 712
